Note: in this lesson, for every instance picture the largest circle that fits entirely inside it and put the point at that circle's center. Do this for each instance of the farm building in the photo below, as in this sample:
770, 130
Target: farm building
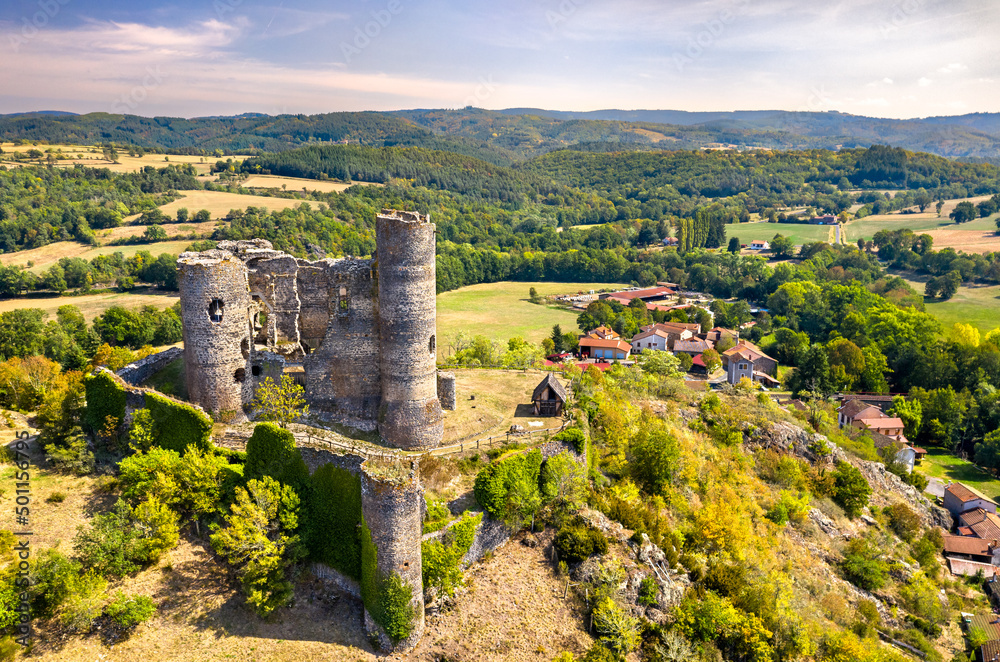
549, 397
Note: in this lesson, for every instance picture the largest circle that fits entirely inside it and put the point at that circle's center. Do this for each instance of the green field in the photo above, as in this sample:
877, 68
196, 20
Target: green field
941, 464
868, 226
502, 311
979, 305
798, 232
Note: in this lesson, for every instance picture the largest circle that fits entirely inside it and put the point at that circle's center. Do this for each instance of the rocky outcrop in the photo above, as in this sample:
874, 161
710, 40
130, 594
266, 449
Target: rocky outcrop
887, 488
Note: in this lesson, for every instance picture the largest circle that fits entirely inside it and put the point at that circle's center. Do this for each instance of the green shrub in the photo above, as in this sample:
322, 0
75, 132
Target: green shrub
563, 480
177, 425
271, 452
575, 543
73, 455
575, 437
51, 579
56, 497
109, 546
863, 565
441, 559
494, 483
903, 521
9, 649
851, 489
128, 612
789, 507
105, 398
335, 507
642, 518
649, 590
83, 601
437, 517
618, 629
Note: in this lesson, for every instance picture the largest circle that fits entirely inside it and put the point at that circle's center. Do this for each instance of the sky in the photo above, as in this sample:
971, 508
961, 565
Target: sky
190, 58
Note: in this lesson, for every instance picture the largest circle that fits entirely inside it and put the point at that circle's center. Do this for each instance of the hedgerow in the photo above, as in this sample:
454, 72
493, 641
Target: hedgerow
336, 513
494, 482
575, 437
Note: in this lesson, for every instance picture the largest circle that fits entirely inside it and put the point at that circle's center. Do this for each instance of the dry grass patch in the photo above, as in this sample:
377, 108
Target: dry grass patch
220, 202
92, 305
44, 257
172, 229
513, 610
299, 183
503, 397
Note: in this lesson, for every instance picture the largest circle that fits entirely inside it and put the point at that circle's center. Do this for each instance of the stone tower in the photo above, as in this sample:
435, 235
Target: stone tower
410, 414
391, 505
215, 300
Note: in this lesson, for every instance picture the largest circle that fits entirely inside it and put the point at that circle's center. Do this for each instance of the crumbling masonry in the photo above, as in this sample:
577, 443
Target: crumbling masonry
358, 334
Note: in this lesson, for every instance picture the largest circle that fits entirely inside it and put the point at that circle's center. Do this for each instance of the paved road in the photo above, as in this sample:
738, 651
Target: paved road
935, 486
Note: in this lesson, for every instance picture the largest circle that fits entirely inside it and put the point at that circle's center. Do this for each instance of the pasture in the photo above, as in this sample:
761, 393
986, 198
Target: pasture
941, 464
92, 157
92, 305
44, 257
977, 305
502, 310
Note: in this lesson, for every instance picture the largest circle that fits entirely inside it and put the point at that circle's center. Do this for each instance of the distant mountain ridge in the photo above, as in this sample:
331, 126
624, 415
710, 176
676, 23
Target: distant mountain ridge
517, 134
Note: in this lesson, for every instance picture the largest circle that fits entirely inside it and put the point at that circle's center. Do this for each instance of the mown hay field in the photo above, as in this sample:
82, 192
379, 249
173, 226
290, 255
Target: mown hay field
92, 305
44, 257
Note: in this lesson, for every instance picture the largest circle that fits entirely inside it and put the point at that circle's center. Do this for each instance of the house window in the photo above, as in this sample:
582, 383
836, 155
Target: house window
215, 310
743, 366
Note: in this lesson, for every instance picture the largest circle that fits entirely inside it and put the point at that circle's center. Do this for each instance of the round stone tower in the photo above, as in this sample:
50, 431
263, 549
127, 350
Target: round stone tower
410, 416
391, 505
215, 305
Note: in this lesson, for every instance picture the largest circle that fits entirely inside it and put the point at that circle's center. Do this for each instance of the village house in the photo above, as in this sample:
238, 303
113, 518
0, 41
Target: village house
747, 360
904, 453
692, 346
759, 245
652, 340
609, 349
960, 498
825, 219
859, 414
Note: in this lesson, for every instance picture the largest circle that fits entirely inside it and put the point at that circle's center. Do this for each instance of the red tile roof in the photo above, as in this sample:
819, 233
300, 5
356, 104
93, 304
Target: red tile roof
966, 545
965, 493
642, 294
610, 344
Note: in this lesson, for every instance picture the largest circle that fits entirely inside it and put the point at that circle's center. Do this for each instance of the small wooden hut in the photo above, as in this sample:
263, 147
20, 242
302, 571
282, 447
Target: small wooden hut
549, 397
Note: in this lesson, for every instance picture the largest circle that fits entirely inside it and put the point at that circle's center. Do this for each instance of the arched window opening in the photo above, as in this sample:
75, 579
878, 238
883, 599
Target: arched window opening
255, 370
241, 375
432, 344
215, 310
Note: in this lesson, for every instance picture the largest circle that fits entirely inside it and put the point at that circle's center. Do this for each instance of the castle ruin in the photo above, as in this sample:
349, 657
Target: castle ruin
358, 334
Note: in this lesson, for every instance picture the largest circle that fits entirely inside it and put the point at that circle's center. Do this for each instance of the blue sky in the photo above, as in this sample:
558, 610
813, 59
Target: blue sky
905, 58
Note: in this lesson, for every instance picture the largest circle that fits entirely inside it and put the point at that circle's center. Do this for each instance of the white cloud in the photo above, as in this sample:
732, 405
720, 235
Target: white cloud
923, 81
952, 68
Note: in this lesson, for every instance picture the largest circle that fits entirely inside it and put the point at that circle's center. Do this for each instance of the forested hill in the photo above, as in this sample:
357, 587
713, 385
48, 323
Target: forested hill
518, 134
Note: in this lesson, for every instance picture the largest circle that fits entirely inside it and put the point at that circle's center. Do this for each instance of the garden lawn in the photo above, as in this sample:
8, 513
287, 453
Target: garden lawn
501, 311
939, 463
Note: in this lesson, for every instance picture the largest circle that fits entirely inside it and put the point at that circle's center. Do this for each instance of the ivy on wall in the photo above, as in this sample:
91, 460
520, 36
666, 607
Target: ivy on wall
271, 451
105, 397
177, 425
386, 596
335, 504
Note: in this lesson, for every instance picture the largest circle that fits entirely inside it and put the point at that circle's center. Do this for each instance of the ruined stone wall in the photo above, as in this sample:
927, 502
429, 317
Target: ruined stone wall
342, 371
215, 302
446, 390
391, 507
138, 372
410, 416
